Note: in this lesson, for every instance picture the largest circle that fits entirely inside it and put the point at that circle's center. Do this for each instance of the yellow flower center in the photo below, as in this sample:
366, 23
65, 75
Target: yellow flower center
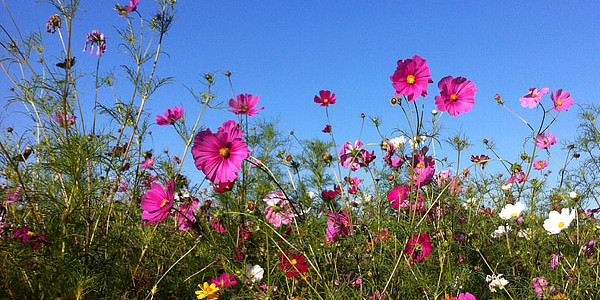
534, 95
224, 152
514, 215
325, 100
410, 79
163, 202
559, 103
561, 224
454, 97
30, 233
294, 262
251, 276
419, 165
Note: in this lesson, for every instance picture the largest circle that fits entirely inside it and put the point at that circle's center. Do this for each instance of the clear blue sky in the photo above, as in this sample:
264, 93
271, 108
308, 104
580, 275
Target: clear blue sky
286, 51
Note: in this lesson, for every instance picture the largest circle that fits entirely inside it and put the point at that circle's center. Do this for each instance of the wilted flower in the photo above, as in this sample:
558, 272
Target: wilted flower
417, 140
327, 129
14, 195
352, 156
186, 217
170, 116
245, 104
496, 282
148, 163
501, 231
53, 23
557, 222
98, 39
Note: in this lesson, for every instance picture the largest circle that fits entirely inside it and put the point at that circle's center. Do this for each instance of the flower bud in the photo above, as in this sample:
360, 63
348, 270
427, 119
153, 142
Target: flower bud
326, 157
573, 195
434, 112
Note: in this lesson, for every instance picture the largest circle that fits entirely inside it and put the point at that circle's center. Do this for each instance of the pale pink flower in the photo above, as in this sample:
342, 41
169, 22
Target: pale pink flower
545, 141
279, 210
457, 95
185, 218
562, 100
127, 9
338, 224
98, 39
64, 119
540, 164
148, 163
533, 97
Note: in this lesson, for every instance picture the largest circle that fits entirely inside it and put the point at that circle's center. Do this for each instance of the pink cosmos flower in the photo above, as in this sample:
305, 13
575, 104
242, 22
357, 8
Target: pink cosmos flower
170, 116
389, 159
464, 296
98, 39
562, 100
411, 78
157, 202
127, 9
14, 195
64, 119
422, 167
539, 286
545, 141
418, 247
337, 225
217, 225
219, 155
26, 235
224, 281
398, 194
278, 210
325, 98
245, 105
540, 164
518, 176
353, 181
148, 163
185, 219
533, 97
327, 129
457, 95
554, 260
351, 156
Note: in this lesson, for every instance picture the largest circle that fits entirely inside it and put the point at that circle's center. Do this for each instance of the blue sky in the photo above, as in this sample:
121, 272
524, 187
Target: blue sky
286, 51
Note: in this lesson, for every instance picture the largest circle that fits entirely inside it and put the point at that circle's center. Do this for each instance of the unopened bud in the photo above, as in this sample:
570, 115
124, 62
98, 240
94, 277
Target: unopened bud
573, 195
434, 112
326, 157
228, 73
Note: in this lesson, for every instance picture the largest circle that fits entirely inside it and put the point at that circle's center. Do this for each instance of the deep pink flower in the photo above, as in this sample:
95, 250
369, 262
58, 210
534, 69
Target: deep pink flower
457, 95
64, 119
148, 163
293, 264
224, 281
220, 155
98, 39
418, 247
157, 202
533, 97
422, 167
26, 235
518, 176
545, 141
540, 164
223, 187
14, 195
411, 78
170, 116
464, 296
217, 225
353, 181
245, 105
398, 194
562, 100
127, 9
327, 129
389, 159
338, 224
325, 98
329, 194
185, 217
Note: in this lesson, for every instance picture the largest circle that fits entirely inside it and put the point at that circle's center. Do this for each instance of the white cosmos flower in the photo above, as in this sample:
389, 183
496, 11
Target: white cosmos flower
311, 194
512, 211
496, 282
557, 222
501, 231
416, 140
507, 186
398, 142
525, 233
254, 273
573, 195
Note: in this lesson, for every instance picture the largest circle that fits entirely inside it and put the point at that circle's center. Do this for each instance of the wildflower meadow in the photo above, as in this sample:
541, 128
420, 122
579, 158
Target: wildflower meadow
103, 198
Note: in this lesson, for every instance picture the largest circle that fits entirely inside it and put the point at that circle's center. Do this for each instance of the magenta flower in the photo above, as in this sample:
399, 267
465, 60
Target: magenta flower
224, 281
533, 98
157, 202
64, 119
418, 247
98, 39
457, 95
219, 155
562, 100
398, 194
325, 98
540, 164
390, 159
422, 168
353, 181
217, 224
351, 156
185, 218
411, 78
279, 210
170, 116
148, 163
14, 195
337, 225
26, 235
245, 105
464, 296
327, 129
127, 9
539, 286
545, 141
